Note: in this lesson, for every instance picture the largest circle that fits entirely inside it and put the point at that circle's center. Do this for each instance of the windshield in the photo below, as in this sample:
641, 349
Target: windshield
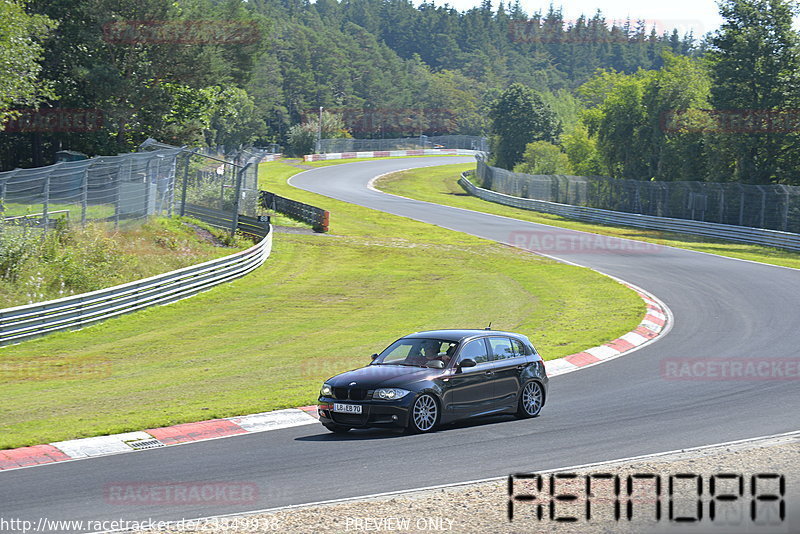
417, 352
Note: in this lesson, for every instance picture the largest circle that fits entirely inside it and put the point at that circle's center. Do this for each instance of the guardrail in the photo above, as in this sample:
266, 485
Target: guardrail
316, 217
26, 322
225, 220
742, 234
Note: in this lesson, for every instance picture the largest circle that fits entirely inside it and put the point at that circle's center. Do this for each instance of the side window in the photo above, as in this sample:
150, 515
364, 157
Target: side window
474, 350
501, 348
520, 348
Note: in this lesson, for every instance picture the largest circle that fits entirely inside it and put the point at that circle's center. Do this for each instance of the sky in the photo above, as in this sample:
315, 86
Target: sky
699, 16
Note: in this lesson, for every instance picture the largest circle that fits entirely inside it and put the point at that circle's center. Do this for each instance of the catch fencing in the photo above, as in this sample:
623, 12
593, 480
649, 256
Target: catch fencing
465, 142
742, 234
206, 179
104, 188
160, 180
33, 320
774, 207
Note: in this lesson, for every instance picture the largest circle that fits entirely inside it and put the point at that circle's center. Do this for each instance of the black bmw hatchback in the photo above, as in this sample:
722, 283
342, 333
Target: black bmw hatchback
432, 378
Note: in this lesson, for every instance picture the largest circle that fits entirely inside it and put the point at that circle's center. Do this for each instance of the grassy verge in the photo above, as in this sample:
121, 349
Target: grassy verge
69, 259
320, 305
440, 185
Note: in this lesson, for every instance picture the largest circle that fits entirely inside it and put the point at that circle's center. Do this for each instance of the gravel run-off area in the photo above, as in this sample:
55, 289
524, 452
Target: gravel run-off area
483, 507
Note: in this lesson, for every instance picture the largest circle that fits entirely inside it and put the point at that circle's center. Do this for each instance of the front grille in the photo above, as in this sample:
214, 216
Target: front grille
358, 394
349, 419
349, 394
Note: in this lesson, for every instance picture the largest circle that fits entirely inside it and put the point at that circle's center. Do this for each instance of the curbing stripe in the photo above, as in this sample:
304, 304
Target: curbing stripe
581, 359
99, 445
186, 432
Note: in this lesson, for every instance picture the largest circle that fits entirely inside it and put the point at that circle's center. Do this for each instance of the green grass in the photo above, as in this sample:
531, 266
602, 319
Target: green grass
69, 260
440, 185
320, 305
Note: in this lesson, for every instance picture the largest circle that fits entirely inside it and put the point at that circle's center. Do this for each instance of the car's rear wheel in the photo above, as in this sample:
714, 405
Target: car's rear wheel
424, 414
337, 429
531, 400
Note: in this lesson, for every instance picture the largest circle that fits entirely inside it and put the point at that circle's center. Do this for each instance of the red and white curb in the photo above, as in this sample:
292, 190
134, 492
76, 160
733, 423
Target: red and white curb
391, 154
656, 322
153, 438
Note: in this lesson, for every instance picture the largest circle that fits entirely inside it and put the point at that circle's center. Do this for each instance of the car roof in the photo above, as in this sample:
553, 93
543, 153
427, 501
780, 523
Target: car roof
460, 334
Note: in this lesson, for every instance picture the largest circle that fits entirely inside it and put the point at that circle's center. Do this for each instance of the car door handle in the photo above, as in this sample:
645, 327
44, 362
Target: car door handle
489, 373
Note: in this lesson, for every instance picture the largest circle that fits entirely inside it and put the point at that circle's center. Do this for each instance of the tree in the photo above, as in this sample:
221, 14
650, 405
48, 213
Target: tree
631, 123
20, 55
582, 152
541, 157
755, 68
519, 117
302, 137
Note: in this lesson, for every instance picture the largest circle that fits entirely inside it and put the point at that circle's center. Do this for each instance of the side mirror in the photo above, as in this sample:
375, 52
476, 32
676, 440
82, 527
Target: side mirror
467, 363
435, 364
374, 356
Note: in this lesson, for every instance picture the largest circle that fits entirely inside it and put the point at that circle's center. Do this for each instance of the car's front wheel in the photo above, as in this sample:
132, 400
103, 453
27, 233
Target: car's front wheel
531, 400
337, 429
424, 414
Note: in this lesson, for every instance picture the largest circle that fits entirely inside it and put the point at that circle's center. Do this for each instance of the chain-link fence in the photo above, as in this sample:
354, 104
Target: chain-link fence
214, 188
104, 188
775, 207
466, 142
161, 180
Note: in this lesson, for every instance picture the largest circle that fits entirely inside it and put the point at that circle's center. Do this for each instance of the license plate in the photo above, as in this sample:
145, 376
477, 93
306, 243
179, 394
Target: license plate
346, 408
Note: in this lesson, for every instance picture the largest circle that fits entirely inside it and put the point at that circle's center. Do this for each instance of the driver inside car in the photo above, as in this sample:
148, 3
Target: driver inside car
429, 352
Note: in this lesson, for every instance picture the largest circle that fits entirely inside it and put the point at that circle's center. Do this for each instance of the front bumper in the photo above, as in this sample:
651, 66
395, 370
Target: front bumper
373, 413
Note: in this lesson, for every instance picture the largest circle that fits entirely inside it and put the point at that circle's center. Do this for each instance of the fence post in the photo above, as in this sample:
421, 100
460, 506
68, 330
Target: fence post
785, 224
84, 194
237, 194
173, 182
185, 182
46, 203
146, 179
222, 185
3, 189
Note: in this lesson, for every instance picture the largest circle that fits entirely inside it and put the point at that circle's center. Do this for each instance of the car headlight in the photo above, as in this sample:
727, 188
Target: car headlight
326, 391
389, 393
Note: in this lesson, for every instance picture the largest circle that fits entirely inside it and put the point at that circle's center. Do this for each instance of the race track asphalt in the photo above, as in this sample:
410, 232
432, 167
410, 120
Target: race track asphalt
723, 309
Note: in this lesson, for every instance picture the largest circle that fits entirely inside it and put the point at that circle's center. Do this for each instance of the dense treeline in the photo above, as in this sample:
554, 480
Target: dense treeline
728, 116
142, 68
